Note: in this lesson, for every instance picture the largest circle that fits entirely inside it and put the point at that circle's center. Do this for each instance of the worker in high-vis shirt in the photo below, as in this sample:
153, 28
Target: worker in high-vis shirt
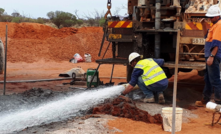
213, 56
149, 76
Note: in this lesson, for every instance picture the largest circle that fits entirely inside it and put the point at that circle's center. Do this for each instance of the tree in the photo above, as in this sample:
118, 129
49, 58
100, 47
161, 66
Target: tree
15, 14
40, 20
17, 19
51, 15
93, 18
102, 21
80, 22
6, 18
68, 23
2, 11
62, 18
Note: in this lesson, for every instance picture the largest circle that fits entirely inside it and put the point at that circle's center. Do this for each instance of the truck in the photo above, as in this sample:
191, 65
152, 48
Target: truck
154, 29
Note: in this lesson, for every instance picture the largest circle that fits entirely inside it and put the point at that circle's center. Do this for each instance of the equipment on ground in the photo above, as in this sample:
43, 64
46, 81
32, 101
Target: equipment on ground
87, 57
167, 118
216, 108
92, 74
77, 74
155, 29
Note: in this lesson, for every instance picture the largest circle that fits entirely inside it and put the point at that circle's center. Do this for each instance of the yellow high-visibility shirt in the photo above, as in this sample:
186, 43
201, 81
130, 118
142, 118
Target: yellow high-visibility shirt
152, 72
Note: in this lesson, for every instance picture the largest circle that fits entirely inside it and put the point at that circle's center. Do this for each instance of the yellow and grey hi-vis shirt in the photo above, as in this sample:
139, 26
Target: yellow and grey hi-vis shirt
152, 72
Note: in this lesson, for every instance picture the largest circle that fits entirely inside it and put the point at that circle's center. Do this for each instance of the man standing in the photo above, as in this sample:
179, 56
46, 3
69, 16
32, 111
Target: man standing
149, 76
212, 56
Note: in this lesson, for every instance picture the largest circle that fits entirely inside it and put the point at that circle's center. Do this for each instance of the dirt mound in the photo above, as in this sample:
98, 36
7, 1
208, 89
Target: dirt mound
31, 31
124, 107
30, 42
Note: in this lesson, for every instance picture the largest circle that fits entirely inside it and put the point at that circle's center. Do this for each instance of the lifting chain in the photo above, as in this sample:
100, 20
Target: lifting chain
105, 25
108, 9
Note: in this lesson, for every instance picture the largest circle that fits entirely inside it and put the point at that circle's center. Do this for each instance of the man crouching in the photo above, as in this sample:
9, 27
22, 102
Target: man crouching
149, 76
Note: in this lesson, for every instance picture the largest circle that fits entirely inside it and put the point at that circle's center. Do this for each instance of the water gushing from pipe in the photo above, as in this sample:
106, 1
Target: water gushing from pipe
56, 110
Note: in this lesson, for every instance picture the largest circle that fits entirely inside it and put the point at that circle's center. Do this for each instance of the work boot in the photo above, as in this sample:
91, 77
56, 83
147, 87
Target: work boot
149, 100
161, 99
217, 101
201, 103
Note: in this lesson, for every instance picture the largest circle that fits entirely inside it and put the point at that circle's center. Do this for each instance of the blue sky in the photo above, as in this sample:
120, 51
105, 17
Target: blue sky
39, 8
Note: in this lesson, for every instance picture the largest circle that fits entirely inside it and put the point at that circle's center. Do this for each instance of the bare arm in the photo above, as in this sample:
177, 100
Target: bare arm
205, 29
128, 89
209, 61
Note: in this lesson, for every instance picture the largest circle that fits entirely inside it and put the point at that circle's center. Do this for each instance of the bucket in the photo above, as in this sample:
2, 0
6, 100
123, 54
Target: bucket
87, 57
167, 119
141, 3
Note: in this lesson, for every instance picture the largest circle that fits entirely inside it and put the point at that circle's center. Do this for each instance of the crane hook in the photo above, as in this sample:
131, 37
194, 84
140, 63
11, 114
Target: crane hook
108, 9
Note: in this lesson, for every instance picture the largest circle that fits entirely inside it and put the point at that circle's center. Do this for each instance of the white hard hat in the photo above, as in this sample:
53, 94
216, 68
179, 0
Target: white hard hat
213, 11
133, 56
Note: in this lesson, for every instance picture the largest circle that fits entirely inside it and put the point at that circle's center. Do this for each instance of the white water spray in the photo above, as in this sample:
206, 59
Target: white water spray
57, 110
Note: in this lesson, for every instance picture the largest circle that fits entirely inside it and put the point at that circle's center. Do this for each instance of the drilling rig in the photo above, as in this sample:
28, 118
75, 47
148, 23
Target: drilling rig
154, 29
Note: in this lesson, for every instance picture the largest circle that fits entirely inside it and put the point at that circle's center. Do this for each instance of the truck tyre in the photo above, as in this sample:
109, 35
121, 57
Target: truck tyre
129, 72
2, 57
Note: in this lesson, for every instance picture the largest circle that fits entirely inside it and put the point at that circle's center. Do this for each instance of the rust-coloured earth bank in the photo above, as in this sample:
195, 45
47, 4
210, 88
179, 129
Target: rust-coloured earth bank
30, 42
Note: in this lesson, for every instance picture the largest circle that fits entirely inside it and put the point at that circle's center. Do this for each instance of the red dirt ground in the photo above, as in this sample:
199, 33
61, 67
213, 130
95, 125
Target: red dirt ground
37, 51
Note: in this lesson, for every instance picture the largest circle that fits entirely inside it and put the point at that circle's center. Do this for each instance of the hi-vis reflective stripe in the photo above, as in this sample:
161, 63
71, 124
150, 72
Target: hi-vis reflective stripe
120, 24
151, 69
155, 75
196, 26
138, 65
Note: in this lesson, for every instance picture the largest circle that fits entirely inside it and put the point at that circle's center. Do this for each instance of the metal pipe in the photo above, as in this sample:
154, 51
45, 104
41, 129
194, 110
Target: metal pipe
6, 40
157, 26
99, 64
112, 73
157, 45
39, 80
157, 15
55, 79
106, 50
175, 83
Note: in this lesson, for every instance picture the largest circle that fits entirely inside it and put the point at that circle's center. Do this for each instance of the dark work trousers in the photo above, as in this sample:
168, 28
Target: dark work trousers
150, 90
212, 81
